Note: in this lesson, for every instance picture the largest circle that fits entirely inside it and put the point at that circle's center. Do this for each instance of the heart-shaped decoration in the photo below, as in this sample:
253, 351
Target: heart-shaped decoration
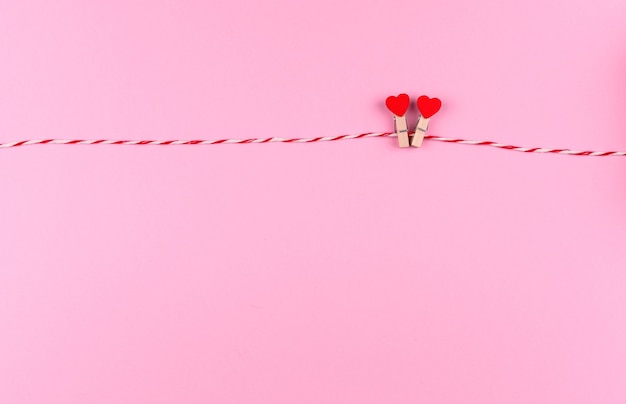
398, 105
428, 106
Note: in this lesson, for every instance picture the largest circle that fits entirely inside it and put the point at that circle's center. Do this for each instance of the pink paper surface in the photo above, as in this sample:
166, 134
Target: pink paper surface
343, 272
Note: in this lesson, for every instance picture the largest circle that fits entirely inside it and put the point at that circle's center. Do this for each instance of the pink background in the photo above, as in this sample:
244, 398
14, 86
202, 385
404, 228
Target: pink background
345, 272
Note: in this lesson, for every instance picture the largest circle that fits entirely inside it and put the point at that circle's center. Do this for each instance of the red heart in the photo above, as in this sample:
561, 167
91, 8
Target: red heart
398, 105
428, 106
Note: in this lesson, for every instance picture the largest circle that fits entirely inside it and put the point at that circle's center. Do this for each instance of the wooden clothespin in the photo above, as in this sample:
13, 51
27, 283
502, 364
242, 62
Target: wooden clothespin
398, 106
427, 107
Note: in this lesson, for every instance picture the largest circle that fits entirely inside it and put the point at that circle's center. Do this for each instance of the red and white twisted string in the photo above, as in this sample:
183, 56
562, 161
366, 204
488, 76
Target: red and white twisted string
306, 140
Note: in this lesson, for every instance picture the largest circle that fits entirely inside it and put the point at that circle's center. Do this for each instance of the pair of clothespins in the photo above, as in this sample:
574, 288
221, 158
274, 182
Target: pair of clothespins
399, 105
